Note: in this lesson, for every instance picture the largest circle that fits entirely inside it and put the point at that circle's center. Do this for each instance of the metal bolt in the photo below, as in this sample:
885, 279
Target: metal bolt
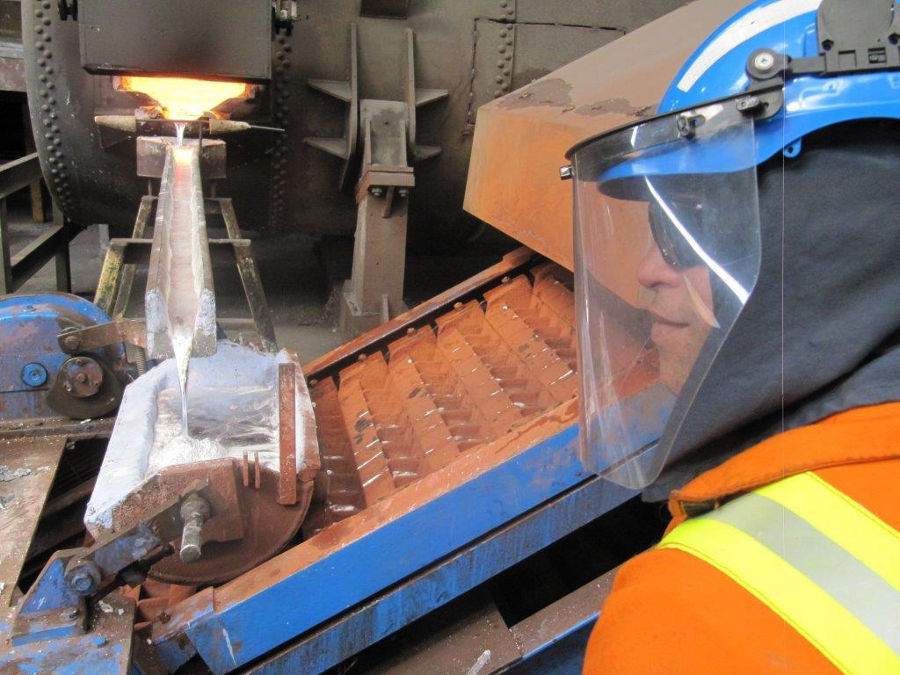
72, 342
34, 374
376, 191
764, 61
403, 193
194, 512
566, 172
84, 578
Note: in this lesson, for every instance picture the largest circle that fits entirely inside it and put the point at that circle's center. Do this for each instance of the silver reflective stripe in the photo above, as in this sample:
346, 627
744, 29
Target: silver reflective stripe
863, 593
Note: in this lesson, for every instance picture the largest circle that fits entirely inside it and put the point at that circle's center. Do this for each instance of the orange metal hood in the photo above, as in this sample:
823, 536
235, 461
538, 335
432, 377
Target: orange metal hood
521, 139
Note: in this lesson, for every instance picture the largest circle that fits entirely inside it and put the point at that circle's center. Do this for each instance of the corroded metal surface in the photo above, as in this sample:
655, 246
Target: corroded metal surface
27, 468
521, 139
441, 473
287, 435
480, 370
154, 598
332, 362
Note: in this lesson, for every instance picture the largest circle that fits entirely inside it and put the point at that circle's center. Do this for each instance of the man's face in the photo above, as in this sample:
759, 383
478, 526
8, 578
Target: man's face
682, 314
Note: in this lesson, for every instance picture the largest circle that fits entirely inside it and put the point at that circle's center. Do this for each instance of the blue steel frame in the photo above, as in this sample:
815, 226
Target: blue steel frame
29, 325
449, 579
105, 650
533, 488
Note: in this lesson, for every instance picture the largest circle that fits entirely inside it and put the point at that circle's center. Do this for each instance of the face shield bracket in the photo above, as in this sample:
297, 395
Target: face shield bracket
854, 36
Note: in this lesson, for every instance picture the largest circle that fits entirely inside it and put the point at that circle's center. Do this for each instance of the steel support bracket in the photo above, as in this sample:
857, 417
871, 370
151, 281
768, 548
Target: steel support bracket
56, 604
128, 331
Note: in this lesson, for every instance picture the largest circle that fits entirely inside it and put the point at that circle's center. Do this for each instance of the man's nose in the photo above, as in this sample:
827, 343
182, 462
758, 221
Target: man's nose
654, 271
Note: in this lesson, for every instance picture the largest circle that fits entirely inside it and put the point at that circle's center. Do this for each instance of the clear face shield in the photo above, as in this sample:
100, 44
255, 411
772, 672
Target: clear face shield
667, 251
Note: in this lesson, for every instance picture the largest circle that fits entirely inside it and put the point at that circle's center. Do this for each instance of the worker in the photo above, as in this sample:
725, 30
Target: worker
738, 281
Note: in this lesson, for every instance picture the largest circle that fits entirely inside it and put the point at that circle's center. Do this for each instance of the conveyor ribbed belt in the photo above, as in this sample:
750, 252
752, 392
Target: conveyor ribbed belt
470, 376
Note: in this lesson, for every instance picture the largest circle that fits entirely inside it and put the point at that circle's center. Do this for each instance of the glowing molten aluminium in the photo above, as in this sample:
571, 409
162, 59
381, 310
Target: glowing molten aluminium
183, 98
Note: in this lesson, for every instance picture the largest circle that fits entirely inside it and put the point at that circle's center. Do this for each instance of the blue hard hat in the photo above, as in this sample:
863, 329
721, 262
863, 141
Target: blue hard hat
796, 65
828, 76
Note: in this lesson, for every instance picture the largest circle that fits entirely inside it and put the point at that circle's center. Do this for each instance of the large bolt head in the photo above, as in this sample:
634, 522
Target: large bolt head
84, 578
82, 377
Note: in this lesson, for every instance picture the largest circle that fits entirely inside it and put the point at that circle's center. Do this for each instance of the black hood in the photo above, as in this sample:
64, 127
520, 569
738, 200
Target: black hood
819, 333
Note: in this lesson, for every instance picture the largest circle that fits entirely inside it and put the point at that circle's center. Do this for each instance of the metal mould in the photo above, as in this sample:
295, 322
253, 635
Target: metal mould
153, 150
235, 421
180, 297
471, 377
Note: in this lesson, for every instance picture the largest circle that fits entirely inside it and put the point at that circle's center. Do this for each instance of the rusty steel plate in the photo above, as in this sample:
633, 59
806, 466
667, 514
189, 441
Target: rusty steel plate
521, 139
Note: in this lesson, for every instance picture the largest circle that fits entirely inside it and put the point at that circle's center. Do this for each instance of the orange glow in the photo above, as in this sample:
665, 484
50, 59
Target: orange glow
183, 98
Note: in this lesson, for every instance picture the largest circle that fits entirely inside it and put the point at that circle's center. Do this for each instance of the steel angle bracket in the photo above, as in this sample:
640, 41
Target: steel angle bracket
346, 91
309, 585
106, 650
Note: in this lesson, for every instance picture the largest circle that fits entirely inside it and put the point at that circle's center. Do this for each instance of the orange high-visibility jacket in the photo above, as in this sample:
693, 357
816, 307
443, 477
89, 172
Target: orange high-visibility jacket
675, 610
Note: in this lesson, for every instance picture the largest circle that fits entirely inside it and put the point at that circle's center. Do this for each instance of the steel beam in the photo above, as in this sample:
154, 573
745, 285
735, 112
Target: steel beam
53, 243
6, 276
18, 174
128, 271
318, 580
463, 571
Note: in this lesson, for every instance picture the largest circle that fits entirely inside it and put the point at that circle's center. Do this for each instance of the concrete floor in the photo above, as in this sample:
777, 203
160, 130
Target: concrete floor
297, 276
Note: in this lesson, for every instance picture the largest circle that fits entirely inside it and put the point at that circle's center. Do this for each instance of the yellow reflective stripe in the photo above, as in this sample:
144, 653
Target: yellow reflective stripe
846, 522
812, 612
